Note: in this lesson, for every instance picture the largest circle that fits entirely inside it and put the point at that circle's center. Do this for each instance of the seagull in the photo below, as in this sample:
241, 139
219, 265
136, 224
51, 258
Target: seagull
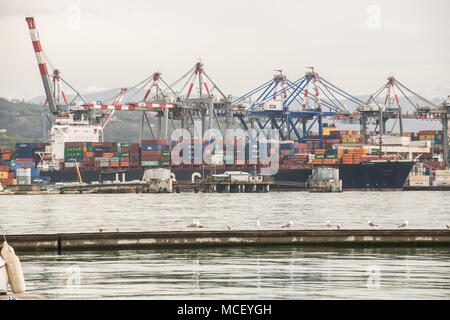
372, 224
448, 226
404, 224
338, 226
100, 230
117, 229
195, 224
329, 225
229, 227
258, 224
288, 225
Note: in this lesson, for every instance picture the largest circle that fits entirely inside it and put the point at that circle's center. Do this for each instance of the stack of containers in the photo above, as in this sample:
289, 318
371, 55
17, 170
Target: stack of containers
6, 176
229, 159
123, 150
7, 155
88, 156
196, 147
287, 151
135, 159
347, 158
435, 137
441, 178
240, 147
351, 137
25, 160
155, 153
331, 156
216, 153
73, 151
251, 153
319, 155
104, 154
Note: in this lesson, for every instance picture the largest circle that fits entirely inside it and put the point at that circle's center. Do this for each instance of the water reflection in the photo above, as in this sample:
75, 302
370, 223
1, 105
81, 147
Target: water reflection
244, 273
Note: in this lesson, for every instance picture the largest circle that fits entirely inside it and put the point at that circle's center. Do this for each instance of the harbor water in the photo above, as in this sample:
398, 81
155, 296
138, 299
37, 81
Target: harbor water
272, 272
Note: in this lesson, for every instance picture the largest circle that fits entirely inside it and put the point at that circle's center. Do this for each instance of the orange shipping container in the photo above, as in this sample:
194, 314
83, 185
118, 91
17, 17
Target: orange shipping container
108, 155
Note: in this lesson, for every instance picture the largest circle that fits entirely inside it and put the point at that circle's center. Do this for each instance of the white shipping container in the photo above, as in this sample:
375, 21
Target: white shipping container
157, 174
420, 143
419, 183
441, 183
24, 180
442, 173
442, 178
23, 172
419, 178
395, 141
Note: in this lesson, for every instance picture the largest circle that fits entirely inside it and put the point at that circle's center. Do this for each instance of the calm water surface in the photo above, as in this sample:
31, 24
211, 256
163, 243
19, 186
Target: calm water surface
233, 273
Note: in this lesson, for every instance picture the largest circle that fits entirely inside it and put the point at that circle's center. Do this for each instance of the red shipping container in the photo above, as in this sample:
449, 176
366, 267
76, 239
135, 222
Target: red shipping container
150, 158
153, 142
74, 144
151, 153
24, 160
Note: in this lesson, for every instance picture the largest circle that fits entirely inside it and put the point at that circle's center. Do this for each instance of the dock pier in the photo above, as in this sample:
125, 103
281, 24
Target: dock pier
62, 242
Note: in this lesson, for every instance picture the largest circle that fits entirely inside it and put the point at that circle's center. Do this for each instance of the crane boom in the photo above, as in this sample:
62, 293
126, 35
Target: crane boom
42, 65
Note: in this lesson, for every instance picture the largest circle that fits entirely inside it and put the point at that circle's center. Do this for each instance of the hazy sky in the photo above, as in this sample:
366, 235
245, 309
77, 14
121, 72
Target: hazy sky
109, 44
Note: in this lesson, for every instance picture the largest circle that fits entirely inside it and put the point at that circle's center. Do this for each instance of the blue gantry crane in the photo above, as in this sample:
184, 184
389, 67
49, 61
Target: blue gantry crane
285, 104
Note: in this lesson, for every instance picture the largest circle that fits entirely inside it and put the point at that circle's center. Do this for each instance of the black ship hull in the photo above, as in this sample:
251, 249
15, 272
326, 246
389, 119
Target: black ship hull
375, 175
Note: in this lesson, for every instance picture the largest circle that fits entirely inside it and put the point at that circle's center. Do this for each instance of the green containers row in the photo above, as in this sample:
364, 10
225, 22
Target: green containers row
150, 163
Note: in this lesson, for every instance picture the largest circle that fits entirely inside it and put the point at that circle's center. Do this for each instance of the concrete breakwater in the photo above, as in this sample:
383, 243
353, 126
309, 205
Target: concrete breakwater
202, 238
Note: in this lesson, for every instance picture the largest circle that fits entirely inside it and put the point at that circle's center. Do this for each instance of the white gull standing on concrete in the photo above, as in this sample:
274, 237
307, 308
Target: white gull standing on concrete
404, 224
288, 225
195, 224
371, 224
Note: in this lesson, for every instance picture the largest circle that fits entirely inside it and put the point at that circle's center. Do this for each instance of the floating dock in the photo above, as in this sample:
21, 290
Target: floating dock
200, 238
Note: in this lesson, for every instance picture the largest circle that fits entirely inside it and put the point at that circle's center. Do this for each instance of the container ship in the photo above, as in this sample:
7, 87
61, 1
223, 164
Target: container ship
74, 143
360, 166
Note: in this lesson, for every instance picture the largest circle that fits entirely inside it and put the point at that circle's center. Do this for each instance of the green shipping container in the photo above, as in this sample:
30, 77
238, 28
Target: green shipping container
165, 153
331, 156
150, 163
124, 154
165, 163
319, 156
